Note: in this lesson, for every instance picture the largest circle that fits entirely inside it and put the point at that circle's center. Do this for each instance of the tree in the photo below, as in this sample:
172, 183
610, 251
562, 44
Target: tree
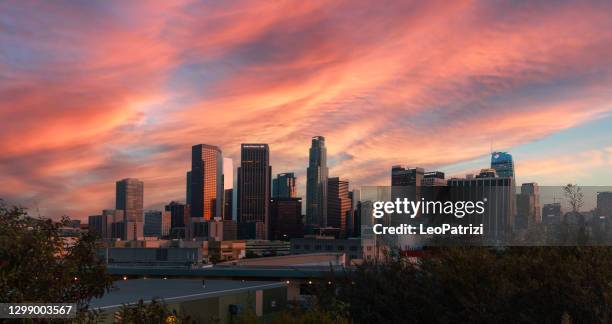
153, 312
473, 284
36, 264
574, 195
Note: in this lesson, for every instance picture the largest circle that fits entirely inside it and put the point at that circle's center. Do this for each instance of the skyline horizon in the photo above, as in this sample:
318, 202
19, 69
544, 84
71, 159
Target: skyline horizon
108, 90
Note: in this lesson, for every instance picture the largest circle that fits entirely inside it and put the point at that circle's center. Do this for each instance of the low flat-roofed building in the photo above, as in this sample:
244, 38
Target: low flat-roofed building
182, 256
188, 297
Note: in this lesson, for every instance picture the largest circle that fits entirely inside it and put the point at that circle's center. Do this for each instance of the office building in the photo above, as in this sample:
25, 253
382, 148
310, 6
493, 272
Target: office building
338, 204
254, 187
286, 218
499, 215
433, 179
230, 230
401, 176
178, 214
316, 184
130, 198
551, 213
528, 211
101, 225
206, 188
604, 203
283, 186
228, 204
153, 223
503, 165
188, 189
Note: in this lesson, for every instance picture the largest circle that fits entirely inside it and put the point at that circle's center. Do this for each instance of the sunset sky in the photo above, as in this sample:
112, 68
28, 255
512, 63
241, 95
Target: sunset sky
92, 92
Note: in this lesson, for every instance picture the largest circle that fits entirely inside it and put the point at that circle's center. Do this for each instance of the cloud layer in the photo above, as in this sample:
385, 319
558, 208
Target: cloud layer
92, 92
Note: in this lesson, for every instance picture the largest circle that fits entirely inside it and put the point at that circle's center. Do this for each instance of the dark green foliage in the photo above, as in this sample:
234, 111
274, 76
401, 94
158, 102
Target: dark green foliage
460, 285
37, 264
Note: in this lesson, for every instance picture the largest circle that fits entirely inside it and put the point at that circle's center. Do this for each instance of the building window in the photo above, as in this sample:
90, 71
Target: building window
340, 247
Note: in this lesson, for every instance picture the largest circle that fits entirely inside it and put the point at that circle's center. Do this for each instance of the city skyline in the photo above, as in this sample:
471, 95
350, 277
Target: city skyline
124, 90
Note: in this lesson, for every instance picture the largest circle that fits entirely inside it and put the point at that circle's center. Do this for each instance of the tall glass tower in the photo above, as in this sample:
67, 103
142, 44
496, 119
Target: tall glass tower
316, 184
503, 165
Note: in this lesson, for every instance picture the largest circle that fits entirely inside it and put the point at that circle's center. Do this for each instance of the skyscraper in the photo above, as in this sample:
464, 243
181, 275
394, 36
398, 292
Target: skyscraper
286, 218
503, 165
130, 198
283, 186
401, 176
433, 179
604, 203
206, 182
188, 191
316, 184
338, 204
153, 223
228, 204
254, 185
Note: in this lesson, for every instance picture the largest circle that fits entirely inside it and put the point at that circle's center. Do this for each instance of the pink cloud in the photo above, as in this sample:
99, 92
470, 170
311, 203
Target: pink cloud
92, 94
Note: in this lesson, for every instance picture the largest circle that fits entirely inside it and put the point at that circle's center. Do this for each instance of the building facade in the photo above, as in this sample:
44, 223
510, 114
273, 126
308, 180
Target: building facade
286, 218
206, 188
283, 186
316, 184
130, 199
503, 164
338, 204
254, 186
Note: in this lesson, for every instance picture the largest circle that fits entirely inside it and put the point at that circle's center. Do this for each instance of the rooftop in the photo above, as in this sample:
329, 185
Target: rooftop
173, 290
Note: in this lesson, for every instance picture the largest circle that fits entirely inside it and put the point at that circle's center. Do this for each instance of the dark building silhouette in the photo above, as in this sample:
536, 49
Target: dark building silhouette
254, 189
286, 218
178, 214
401, 176
604, 203
316, 184
528, 212
188, 191
129, 198
283, 186
551, 213
433, 179
228, 204
230, 230
206, 188
499, 213
338, 205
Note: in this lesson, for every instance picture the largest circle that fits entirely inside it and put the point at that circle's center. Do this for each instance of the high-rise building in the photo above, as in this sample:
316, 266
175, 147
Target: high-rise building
604, 203
286, 218
188, 189
500, 196
338, 204
433, 179
228, 204
178, 214
283, 186
551, 213
101, 225
153, 223
316, 184
254, 187
503, 165
130, 198
206, 182
401, 176
531, 209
